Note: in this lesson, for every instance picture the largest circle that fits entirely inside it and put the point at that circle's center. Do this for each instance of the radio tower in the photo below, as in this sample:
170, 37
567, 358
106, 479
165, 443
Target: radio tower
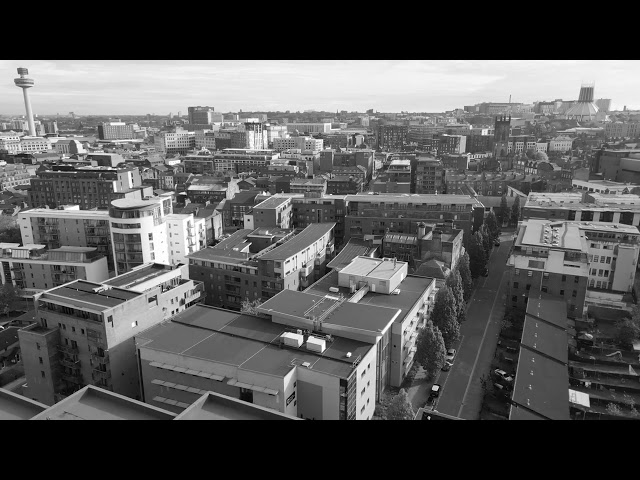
25, 83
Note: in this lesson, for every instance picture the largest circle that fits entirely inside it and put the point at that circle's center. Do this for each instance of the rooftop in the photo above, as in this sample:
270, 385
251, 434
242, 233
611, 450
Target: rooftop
416, 199
55, 213
246, 342
89, 295
354, 248
214, 406
92, 403
139, 275
272, 202
551, 309
308, 236
134, 203
374, 267
17, 407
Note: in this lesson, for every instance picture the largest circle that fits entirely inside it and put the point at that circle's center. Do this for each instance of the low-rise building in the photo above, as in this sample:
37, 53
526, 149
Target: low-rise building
84, 331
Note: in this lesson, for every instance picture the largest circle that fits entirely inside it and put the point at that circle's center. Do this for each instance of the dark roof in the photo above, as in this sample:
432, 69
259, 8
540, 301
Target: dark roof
546, 339
354, 248
549, 308
432, 268
301, 241
8, 337
542, 385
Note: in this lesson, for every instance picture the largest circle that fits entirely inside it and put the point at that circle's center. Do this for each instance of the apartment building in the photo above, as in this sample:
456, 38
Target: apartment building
326, 209
68, 226
385, 283
480, 142
180, 141
560, 144
84, 331
33, 268
265, 361
429, 176
310, 187
618, 165
14, 175
187, 234
380, 214
86, 186
139, 232
300, 143
34, 144
344, 184
434, 241
452, 144
251, 265
205, 139
275, 211
622, 129
330, 158
242, 159
487, 183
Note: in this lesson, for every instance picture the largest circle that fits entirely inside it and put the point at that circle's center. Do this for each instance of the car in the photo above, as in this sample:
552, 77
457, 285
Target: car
485, 272
435, 391
451, 354
503, 375
447, 366
496, 243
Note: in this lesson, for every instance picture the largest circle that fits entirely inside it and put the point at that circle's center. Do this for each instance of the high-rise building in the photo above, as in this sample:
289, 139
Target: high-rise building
139, 232
200, 115
501, 136
84, 330
117, 131
429, 176
392, 137
180, 141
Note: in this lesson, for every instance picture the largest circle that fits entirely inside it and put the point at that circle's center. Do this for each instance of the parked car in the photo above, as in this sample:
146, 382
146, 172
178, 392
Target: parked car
485, 272
496, 243
435, 391
503, 375
447, 366
451, 354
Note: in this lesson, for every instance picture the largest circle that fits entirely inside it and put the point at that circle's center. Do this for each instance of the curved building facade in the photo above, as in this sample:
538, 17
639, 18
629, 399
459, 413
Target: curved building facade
139, 232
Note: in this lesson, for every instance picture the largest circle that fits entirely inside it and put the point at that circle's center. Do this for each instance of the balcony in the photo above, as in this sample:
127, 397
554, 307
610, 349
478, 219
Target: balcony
68, 349
70, 362
100, 360
99, 375
75, 377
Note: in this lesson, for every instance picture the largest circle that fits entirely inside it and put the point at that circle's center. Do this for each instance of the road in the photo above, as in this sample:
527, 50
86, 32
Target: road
461, 391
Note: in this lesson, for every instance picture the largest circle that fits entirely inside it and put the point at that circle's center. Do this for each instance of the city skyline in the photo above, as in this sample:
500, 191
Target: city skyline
138, 87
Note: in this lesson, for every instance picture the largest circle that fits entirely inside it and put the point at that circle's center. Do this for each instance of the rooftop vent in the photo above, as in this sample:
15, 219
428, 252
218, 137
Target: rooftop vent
292, 339
348, 354
306, 364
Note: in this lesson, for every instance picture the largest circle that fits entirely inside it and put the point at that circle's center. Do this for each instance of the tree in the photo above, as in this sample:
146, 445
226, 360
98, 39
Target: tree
487, 241
9, 230
541, 157
445, 316
454, 282
250, 307
530, 154
491, 223
613, 409
515, 211
627, 330
504, 212
10, 298
430, 350
400, 407
477, 255
465, 275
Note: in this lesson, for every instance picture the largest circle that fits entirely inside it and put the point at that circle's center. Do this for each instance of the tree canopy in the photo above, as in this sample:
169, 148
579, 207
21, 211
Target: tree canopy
430, 350
477, 255
10, 298
515, 211
400, 407
9, 230
445, 316
503, 213
465, 275
491, 223
454, 282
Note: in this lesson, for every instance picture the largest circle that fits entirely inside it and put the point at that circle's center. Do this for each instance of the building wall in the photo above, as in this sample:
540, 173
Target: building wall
186, 235
39, 354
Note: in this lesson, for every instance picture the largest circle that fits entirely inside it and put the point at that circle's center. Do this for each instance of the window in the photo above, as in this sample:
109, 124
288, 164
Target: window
600, 274
608, 259
602, 259
545, 275
514, 299
528, 286
515, 284
544, 288
73, 329
38, 346
595, 258
529, 273
576, 279
564, 278
561, 292
574, 293
40, 360
606, 273
42, 374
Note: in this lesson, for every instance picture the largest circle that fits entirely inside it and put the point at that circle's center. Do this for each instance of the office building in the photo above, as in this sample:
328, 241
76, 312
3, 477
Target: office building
180, 141
12, 175
203, 116
117, 130
86, 186
309, 128
344, 184
205, 139
560, 144
324, 374
310, 187
33, 268
330, 158
275, 211
35, 144
622, 130
391, 137
84, 331
255, 265
385, 283
380, 214
452, 144
327, 209
429, 176
139, 232
67, 226
618, 165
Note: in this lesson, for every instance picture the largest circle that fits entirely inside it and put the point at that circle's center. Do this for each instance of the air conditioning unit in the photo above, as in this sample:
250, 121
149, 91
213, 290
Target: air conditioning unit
348, 354
334, 289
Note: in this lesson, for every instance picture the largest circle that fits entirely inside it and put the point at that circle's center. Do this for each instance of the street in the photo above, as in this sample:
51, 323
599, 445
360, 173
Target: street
461, 394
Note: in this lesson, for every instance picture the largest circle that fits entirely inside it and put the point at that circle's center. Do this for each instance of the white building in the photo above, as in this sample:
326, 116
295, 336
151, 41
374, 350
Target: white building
300, 143
186, 235
309, 127
139, 232
35, 144
180, 141
560, 144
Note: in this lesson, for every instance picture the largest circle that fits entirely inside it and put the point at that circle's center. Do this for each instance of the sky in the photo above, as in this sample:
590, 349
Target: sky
138, 87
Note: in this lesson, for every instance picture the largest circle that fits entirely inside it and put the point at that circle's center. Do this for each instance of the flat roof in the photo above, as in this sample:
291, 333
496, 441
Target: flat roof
17, 407
545, 338
549, 308
245, 341
309, 235
93, 403
82, 295
541, 385
50, 212
135, 203
140, 274
415, 198
520, 413
215, 406
374, 267
272, 202
354, 248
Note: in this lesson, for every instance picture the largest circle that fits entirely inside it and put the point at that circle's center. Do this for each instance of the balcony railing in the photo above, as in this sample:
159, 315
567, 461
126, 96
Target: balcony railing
75, 377
98, 375
70, 362
100, 360
68, 349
